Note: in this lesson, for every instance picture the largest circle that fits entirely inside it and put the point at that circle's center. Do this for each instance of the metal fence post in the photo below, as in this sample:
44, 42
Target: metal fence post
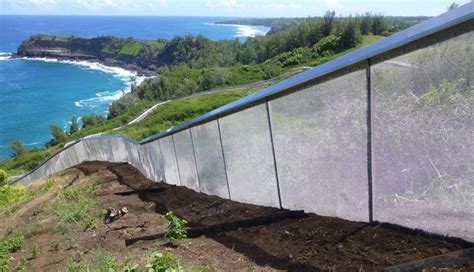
223, 156
195, 160
176, 159
369, 141
273, 153
162, 159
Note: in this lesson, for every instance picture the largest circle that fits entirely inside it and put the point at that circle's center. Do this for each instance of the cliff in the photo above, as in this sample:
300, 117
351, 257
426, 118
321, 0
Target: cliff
131, 54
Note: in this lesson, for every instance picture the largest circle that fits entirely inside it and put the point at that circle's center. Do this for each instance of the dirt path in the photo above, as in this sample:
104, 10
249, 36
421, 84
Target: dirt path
314, 243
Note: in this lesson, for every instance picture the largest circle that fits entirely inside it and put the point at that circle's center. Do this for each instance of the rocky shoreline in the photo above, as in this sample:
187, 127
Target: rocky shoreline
141, 72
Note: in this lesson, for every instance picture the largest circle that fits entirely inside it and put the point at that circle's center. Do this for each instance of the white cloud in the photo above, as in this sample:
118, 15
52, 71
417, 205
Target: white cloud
42, 2
334, 5
280, 6
224, 4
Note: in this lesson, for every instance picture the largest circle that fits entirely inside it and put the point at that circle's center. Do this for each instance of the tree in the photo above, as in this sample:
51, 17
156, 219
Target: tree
74, 125
328, 23
59, 136
453, 6
350, 36
18, 148
379, 25
366, 24
92, 120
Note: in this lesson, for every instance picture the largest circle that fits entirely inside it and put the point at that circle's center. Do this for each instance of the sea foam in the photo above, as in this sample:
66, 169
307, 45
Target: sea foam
244, 30
105, 97
5, 56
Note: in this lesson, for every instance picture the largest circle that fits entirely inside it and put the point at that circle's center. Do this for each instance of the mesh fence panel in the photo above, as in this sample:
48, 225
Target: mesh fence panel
80, 151
64, 160
249, 158
209, 160
156, 160
132, 152
92, 147
169, 160
71, 154
119, 149
106, 150
146, 164
320, 138
423, 142
186, 161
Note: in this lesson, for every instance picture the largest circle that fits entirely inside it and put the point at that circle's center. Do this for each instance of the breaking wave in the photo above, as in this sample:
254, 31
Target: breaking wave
105, 97
246, 30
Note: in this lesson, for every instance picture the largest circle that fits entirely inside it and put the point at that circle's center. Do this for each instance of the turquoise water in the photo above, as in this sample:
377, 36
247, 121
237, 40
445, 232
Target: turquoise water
35, 93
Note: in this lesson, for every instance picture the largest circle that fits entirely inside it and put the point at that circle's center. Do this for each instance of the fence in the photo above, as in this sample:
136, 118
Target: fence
384, 133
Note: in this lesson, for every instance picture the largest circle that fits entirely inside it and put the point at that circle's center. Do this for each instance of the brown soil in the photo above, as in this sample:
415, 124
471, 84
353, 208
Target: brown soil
314, 243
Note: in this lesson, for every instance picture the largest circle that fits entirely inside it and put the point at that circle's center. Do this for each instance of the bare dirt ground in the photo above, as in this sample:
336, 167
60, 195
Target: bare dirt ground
312, 243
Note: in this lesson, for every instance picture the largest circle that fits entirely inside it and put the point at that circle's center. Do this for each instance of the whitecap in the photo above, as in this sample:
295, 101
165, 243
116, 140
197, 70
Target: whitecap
246, 30
118, 72
106, 97
5, 55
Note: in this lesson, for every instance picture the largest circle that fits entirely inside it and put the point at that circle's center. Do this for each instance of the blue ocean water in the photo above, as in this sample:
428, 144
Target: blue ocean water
35, 93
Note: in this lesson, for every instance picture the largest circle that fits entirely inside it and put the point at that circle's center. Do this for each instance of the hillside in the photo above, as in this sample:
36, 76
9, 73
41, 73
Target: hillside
59, 224
187, 66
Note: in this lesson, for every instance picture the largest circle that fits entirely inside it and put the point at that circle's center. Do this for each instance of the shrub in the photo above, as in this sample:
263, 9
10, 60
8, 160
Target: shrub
17, 148
10, 195
6, 248
176, 227
163, 262
59, 136
3, 177
55, 245
34, 251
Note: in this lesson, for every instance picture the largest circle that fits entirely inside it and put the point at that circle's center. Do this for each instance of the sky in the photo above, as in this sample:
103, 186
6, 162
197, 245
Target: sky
225, 8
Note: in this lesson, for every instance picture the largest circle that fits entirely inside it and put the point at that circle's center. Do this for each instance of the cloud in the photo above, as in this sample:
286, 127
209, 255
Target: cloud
42, 2
280, 6
224, 4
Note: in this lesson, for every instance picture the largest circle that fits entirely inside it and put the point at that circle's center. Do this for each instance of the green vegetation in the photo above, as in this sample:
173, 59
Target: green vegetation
59, 136
3, 177
10, 195
74, 125
392, 23
163, 262
178, 111
8, 246
17, 147
34, 251
176, 227
25, 161
131, 48
189, 65
54, 245
76, 205
100, 260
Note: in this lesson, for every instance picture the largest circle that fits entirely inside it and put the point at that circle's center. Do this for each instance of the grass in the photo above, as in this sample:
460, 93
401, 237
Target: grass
131, 48
8, 246
100, 260
11, 195
170, 114
178, 111
76, 205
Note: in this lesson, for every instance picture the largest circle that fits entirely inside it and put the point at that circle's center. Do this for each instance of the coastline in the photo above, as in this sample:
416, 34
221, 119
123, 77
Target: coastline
123, 72
86, 101
108, 65
250, 31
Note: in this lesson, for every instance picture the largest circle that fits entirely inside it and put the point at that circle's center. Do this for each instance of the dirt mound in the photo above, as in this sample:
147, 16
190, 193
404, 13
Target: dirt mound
312, 243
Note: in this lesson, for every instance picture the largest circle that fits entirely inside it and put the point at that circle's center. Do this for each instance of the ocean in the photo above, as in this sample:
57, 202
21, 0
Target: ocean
35, 93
